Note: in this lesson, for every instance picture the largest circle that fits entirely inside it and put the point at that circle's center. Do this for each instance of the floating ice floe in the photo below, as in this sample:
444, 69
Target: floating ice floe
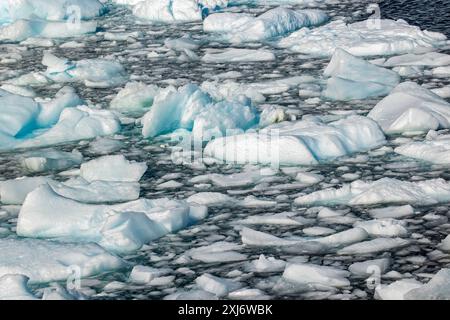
16, 190
305, 142
94, 73
263, 265
410, 289
190, 108
145, 275
255, 91
234, 55
135, 98
50, 160
383, 227
175, 11
112, 168
392, 212
374, 246
218, 252
436, 149
368, 268
430, 59
316, 277
26, 29
363, 38
11, 10
276, 22
43, 261
385, 190
410, 108
220, 287
354, 78
121, 227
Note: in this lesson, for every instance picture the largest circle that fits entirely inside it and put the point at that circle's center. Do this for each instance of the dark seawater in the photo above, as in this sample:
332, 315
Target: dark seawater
432, 15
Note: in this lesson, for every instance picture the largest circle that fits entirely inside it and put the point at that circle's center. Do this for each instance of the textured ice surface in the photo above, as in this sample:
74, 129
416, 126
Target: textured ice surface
435, 149
354, 78
273, 23
45, 261
411, 108
15, 191
362, 38
50, 160
112, 168
121, 227
136, 98
191, 108
239, 55
96, 73
316, 276
25, 29
14, 287
11, 10
170, 11
299, 143
385, 190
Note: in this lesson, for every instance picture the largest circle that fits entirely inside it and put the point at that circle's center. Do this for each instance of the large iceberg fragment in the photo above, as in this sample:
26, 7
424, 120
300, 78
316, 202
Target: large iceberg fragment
190, 108
303, 142
171, 11
273, 23
11, 10
354, 78
75, 124
121, 227
16, 190
50, 160
411, 108
385, 190
25, 29
43, 261
363, 38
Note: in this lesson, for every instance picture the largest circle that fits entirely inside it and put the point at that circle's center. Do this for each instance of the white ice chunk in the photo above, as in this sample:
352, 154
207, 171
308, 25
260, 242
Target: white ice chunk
316, 276
436, 289
192, 109
14, 287
233, 55
396, 290
392, 212
143, 274
370, 267
121, 227
269, 264
385, 190
362, 38
95, 73
15, 191
210, 199
44, 261
304, 142
113, 168
434, 150
383, 227
273, 23
136, 98
354, 78
374, 246
215, 285
50, 159
432, 59
411, 108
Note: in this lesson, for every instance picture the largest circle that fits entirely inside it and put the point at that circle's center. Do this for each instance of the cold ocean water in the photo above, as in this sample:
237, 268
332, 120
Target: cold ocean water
414, 257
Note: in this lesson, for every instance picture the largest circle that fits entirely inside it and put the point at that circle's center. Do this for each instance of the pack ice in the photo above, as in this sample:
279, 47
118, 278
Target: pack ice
365, 38
241, 27
411, 108
43, 261
191, 108
304, 142
385, 190
351, 78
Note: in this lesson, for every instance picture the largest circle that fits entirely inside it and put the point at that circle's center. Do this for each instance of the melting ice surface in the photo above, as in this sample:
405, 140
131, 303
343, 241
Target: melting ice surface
212, 149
